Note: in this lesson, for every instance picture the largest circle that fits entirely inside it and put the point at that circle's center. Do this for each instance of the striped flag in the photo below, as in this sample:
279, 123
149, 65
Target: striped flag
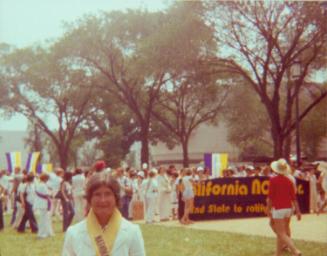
44, 168
14, 159
216, 163
32, 161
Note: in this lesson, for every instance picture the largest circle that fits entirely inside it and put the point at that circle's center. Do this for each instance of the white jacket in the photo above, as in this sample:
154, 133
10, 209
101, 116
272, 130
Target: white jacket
129, 241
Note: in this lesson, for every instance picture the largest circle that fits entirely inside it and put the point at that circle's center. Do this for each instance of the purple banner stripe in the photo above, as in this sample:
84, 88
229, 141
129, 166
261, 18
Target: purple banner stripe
9, 162
208, 161
28, 164
39, 168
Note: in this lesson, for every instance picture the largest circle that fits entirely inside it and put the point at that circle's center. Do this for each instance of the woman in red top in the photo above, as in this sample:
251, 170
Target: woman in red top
280, 202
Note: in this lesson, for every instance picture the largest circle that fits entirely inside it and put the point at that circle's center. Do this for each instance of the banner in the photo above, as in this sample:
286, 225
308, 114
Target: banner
44, 168
216, 163
226, 198
14, 160
32, 161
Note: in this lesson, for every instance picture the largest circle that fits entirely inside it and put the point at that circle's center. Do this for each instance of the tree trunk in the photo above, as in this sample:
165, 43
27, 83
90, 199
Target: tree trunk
63, 158
185, 153
278, 141
287, 147
145, 147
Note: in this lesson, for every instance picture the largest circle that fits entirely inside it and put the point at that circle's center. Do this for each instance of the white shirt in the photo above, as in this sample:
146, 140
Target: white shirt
129, 241
78, 185
41, 203
151, 187
54, 182
4, 182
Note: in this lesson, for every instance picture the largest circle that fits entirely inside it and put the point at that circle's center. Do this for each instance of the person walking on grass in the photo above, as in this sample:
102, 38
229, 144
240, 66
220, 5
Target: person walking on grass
280, 201
322, 167
188, 196
27, 197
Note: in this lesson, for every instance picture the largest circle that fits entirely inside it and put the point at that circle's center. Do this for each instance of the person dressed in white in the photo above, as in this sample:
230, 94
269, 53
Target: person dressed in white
53, 183
104, 231
135, 197
322, 167
42, 206
164, 196
313, 190
151, 195
78, 186
6, 186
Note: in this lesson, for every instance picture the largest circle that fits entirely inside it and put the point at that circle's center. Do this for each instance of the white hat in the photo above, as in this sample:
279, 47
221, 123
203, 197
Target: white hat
200, 169
154, 170
280, 166
141, 174
144, 166
322, 167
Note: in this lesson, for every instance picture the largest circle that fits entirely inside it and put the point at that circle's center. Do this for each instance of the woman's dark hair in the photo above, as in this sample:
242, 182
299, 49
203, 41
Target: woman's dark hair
30, 177
78, 171
99, 179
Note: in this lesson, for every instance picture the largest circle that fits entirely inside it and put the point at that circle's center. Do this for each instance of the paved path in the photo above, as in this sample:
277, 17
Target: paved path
310, 228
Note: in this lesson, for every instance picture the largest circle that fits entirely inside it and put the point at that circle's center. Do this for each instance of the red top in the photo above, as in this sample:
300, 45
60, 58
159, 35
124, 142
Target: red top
281, 192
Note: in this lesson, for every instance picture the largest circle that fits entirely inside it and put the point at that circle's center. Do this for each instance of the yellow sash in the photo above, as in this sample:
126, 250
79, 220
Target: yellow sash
103, 240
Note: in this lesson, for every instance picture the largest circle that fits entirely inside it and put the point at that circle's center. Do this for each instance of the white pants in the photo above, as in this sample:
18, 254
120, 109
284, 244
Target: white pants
151, 203
44, 223
19, 215
79, 206
164, 205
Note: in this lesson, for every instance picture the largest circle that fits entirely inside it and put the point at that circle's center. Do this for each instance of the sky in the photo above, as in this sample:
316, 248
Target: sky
27, 22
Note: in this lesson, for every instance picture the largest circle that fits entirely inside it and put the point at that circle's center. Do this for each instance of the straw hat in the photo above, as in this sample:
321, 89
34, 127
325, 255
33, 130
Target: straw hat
280, 166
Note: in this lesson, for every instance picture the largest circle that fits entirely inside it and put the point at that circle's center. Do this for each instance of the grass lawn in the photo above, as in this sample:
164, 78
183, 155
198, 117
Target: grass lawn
161, 241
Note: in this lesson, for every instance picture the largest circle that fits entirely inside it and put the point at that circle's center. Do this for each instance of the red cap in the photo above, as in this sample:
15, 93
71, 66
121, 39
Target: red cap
99, 165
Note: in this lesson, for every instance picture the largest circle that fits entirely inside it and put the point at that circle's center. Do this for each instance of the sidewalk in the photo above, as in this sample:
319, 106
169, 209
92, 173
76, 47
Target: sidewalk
310, 228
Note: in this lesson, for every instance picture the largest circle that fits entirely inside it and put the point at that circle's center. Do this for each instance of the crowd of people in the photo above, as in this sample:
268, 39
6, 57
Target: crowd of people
152, 194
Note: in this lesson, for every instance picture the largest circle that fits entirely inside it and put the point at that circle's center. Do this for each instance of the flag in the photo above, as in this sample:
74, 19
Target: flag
216, 162
44, 168
13, 160
32, 161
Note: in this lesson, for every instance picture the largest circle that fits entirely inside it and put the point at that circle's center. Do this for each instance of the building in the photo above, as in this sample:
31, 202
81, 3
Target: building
206, 139
12, 141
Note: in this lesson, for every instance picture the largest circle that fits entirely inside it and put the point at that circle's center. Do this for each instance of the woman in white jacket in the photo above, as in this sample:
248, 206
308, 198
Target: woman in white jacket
104, 231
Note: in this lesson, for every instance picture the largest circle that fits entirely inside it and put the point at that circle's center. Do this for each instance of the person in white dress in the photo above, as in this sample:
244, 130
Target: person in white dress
164, 195
42, 206
151, 195
78, 187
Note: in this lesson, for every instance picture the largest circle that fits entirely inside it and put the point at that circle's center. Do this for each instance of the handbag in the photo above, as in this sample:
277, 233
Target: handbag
137, 210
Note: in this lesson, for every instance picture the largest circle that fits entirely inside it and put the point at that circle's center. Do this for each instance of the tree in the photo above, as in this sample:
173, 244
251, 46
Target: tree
314, 129
107, 45
188, 103
52, 94
137, 53
264, 40
111, 128
247, 121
